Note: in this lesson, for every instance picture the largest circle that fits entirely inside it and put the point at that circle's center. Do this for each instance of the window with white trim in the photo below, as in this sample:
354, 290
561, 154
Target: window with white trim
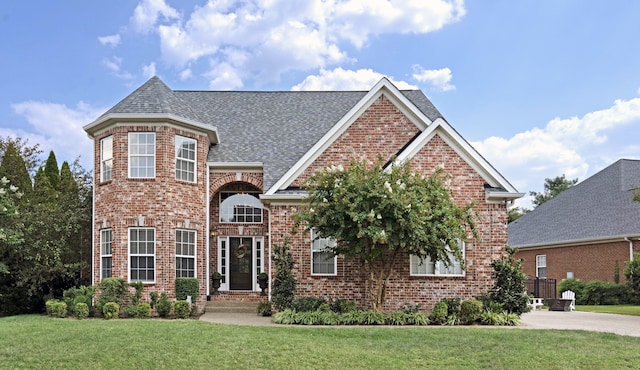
185, 159
106, 262
240, 208
106, 158
323, 262
541, 266
185, 253
142, 155
426, 267
142, 246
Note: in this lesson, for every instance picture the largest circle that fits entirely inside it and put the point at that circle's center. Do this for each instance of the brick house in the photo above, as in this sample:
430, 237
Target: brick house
192, 182
585, 231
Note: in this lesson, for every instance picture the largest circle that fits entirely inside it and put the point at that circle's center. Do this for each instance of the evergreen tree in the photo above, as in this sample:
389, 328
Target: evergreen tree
52, 170
30, 154
14, 169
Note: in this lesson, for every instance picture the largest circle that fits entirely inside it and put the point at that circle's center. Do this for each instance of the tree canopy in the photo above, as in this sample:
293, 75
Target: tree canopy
378, 214
552, 187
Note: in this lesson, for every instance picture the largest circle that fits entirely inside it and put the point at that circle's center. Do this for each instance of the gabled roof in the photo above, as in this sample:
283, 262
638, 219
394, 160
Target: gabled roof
599, 208
282, 131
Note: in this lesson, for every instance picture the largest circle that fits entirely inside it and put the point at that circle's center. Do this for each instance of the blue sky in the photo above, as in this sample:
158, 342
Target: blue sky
540, 88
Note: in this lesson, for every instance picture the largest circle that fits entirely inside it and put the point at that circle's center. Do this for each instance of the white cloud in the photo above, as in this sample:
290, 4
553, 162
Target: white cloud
224, 77
114, 65
149, 70
186, 74
57, 127
340, 79
262, 39
146, 14
113, 40
440, 79
575, 147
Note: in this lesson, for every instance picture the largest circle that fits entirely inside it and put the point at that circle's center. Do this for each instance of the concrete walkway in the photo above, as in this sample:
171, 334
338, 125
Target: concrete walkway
543, 319
577, 320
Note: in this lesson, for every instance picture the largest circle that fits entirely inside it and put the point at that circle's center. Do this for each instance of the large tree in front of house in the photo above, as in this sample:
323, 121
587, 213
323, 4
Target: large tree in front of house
377, 214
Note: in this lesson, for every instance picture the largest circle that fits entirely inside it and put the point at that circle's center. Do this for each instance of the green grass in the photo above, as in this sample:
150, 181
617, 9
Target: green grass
619, 309
34, 341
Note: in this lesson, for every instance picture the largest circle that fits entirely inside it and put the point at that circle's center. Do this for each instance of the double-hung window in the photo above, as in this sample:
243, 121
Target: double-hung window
185, 253
541, 266
427, 267
106, 263
142, 155
185, 159
106, 158
323, 262
142, 246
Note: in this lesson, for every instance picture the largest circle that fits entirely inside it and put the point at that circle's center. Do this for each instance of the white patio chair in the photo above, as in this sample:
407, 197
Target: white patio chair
568, 294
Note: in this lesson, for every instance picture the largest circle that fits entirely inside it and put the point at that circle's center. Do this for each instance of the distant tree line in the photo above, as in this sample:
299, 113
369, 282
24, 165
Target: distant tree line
45, 226
552, 187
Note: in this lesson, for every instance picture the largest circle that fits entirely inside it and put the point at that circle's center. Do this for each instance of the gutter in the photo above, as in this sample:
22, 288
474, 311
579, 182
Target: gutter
571, 243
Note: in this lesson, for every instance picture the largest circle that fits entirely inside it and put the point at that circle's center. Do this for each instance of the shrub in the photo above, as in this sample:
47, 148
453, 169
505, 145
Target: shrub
340, 305
509, 288
453, 306
286, 317
164, 305
143, 310
605, 293
352, 318
153, 297
56, 308
439, 314
470, 311
329, 318
182, 309
417, 318
284, 283
264, 308
576, 286
111, 290
82, 294
81, 311
410, 308
396, 318
372, 317
632, 276
306, 304
110, 310
187, 286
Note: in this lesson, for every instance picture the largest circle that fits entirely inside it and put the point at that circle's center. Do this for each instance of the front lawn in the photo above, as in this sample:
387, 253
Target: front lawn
42, 342
618, 309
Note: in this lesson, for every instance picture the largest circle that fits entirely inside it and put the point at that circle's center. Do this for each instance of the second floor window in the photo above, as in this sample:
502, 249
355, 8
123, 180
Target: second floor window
142, 155
106, 158
185, 159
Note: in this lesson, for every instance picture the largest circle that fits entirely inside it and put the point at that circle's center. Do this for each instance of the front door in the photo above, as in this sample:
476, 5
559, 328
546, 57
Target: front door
240, 263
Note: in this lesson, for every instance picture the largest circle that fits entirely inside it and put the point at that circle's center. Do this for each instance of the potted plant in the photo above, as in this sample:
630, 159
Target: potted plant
263, 281
215, 278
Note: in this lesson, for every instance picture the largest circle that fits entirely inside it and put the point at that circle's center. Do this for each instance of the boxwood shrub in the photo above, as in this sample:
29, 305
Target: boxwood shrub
182, 309
186, 286
81, 311
110, 310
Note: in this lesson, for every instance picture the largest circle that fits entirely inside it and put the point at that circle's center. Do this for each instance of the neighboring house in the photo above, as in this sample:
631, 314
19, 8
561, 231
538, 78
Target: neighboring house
586, 230
192, 182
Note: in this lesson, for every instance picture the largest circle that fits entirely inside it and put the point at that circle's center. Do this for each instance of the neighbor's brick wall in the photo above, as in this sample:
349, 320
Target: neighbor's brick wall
165, 204
587, 262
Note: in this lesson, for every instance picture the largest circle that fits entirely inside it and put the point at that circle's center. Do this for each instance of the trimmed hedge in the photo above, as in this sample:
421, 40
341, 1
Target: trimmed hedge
186, 286
182, 309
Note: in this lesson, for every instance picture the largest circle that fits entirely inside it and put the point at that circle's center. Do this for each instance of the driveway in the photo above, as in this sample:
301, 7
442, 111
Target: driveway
577, 320
542, 319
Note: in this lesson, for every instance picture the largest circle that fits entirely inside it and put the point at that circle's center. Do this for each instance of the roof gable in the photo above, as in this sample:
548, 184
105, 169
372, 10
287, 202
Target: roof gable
383, 87
598, 208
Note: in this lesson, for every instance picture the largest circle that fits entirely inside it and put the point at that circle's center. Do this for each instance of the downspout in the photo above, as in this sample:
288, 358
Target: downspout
270, 251
93, 231
630, 247
208, 235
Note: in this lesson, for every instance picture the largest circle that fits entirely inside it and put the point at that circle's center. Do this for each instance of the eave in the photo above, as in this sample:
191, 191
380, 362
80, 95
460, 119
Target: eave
114, 118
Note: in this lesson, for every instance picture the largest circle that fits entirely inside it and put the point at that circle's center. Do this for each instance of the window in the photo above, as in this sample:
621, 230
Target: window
142, 155
541, 266
106, 158
185, 159
240, 208
142, 243
106, 263
323, 262
185, 253
426, 267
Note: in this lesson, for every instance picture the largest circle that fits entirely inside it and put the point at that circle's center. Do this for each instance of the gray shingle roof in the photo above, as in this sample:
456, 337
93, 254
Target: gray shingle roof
273, 127
599, 207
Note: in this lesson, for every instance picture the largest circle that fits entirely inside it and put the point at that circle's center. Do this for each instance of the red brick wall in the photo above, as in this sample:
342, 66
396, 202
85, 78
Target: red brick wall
587, 262
165, 203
